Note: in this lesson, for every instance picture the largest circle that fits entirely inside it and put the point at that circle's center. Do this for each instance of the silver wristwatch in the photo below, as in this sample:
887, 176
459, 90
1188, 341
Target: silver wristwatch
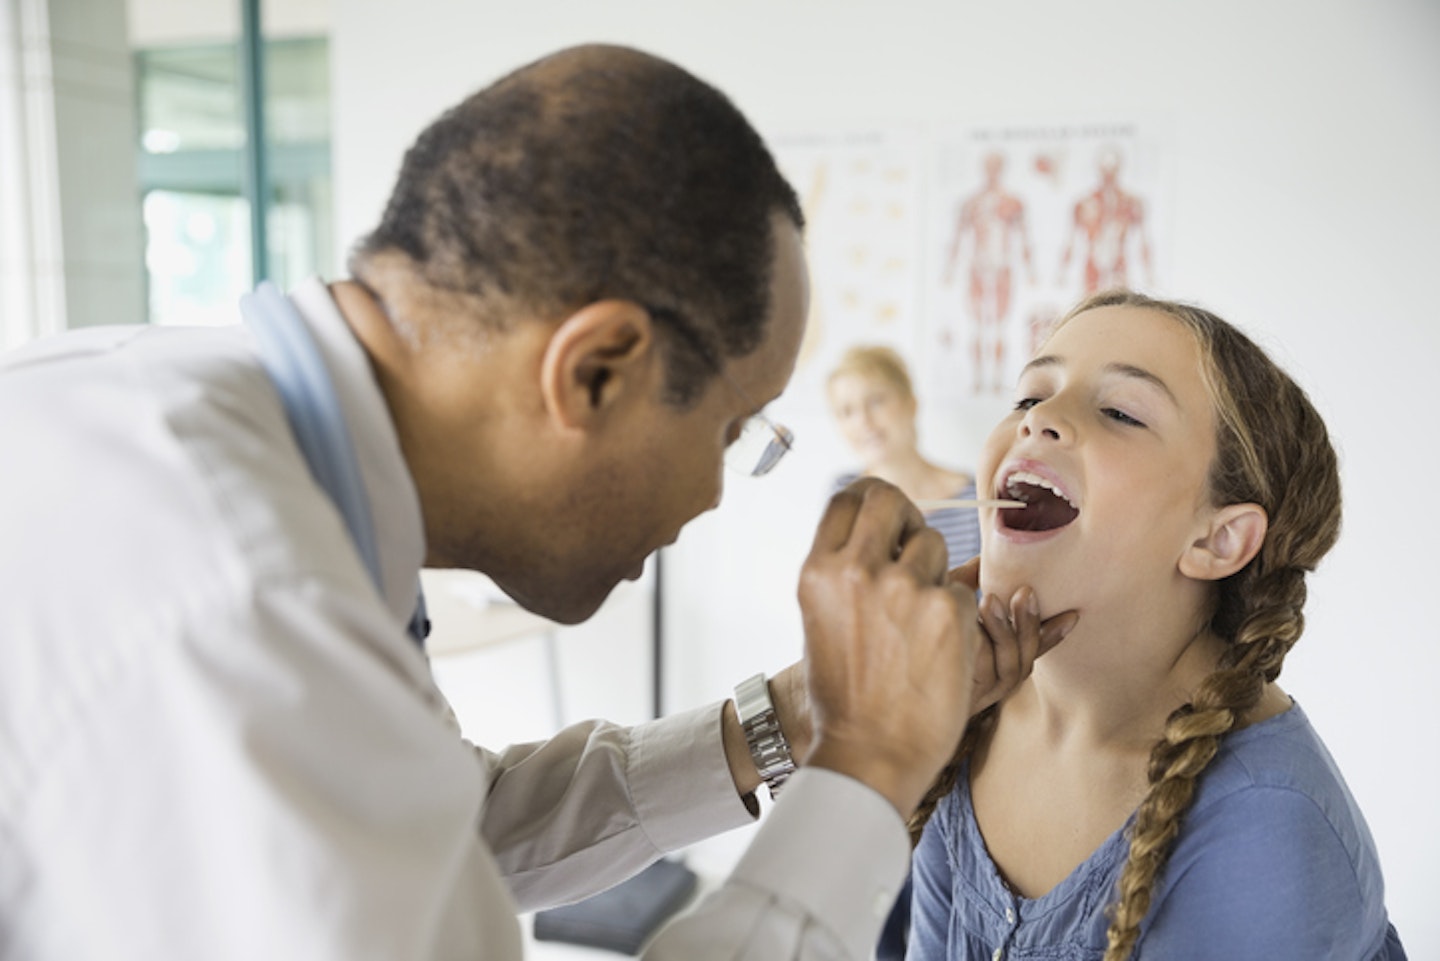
768, 746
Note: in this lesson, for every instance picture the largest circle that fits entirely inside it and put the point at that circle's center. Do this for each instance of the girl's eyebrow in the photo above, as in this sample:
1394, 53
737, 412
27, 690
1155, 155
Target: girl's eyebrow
1124, 370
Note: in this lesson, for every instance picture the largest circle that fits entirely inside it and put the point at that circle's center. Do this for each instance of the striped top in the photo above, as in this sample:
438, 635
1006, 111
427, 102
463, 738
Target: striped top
960, 526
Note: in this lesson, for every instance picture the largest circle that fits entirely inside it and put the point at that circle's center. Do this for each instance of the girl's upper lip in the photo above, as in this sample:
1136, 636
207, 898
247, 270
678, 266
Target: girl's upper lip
1002, 477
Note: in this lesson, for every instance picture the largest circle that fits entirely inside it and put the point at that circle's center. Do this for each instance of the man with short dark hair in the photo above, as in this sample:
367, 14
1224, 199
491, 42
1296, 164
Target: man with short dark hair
217, 739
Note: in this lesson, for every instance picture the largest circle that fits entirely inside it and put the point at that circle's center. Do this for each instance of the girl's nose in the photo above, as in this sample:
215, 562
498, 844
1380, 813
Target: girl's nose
1047, 420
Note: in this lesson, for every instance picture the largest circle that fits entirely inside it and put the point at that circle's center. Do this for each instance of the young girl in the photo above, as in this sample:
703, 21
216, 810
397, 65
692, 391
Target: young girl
1149, 791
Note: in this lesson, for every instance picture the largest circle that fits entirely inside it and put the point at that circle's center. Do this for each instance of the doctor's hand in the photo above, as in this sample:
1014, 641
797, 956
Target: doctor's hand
791, 695
1014, 636
891, 644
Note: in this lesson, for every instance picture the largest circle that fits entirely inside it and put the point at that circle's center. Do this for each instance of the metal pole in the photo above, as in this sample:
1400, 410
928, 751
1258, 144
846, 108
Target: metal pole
257, 180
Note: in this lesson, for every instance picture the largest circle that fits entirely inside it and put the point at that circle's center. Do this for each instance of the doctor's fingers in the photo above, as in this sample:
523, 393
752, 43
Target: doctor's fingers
924, 556
1014, 638
1000, 658
967, 573
870, 519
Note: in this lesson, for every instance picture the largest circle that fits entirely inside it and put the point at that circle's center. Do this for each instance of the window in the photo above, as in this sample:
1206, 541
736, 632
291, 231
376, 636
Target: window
192, 140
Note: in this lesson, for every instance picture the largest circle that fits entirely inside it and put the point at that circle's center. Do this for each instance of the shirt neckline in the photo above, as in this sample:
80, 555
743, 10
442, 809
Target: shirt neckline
1100, 863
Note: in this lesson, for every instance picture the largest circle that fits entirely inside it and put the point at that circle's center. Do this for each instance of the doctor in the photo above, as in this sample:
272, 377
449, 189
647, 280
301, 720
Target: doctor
219, 737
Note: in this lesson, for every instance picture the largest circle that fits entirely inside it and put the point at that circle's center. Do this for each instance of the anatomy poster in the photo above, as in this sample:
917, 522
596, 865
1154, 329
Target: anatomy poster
1022, 222
862, 197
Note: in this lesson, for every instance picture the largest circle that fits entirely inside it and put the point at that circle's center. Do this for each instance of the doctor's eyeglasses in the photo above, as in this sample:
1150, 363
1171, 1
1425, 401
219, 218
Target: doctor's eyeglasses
761, 443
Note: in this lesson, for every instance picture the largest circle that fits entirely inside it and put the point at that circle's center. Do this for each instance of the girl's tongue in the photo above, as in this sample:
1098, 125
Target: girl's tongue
1044, 510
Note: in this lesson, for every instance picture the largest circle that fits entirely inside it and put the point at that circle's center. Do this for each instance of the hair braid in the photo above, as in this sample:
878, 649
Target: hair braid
976, 731
1192, 739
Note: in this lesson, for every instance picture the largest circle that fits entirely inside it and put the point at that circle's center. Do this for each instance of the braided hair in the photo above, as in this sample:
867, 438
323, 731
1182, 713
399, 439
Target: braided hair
1272, 449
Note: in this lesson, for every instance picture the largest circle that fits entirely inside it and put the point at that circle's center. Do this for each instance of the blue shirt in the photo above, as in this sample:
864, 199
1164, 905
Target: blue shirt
960, 526
1273, 861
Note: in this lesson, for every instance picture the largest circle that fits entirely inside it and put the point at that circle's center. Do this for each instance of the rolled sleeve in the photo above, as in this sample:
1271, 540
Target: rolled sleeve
571, 816
680, 781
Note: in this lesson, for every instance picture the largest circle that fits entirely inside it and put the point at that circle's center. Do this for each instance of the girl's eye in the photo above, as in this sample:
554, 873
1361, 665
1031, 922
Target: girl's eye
1121, 417
1025, 403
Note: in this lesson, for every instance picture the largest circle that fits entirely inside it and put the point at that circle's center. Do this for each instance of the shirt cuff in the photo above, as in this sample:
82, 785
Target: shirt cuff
680, 781
852, 886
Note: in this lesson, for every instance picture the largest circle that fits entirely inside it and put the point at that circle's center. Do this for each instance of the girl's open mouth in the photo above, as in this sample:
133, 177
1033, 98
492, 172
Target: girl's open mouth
1047, 508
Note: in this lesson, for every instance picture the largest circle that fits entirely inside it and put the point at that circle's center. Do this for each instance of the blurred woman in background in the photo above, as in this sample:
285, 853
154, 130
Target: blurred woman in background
874, 405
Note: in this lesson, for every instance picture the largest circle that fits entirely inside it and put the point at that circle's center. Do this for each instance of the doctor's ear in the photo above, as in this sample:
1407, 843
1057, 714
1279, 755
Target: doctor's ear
597, 356
1233, 538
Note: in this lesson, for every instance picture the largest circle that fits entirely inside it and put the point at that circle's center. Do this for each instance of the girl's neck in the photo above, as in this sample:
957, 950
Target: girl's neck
1114, 681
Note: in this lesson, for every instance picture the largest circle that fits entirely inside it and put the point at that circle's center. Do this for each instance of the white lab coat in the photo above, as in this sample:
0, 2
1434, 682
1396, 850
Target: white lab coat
217, 740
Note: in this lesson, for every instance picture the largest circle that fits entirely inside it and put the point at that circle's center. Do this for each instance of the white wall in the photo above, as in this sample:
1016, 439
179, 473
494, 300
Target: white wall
1306, 208
159, 23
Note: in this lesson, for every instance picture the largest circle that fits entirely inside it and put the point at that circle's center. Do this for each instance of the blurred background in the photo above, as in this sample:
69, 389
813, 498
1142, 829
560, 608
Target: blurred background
1279, 162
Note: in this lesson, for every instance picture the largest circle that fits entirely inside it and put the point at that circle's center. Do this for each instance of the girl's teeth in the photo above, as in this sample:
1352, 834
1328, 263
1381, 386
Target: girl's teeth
1034, 480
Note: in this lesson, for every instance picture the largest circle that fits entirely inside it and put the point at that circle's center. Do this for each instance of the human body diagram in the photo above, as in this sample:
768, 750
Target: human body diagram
1108, 221
989, 236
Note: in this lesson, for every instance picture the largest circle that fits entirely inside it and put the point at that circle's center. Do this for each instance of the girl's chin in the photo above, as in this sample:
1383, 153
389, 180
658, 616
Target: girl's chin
997, 577
1000, 588
1004, 584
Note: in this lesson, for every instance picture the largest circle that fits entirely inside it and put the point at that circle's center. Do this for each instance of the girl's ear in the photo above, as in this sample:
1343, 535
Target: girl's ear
1233, 537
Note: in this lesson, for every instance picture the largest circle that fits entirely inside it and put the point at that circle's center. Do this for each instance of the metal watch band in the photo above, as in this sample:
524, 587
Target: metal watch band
768, 747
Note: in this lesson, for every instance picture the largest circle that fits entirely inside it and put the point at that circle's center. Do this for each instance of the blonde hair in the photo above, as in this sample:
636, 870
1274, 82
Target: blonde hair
1272, 449
873, 360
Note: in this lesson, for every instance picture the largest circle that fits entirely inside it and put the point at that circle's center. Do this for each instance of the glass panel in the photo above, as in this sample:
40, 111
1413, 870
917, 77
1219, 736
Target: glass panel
299, 230
192, 163
297, 91
190, 99
197, 255
297, 119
